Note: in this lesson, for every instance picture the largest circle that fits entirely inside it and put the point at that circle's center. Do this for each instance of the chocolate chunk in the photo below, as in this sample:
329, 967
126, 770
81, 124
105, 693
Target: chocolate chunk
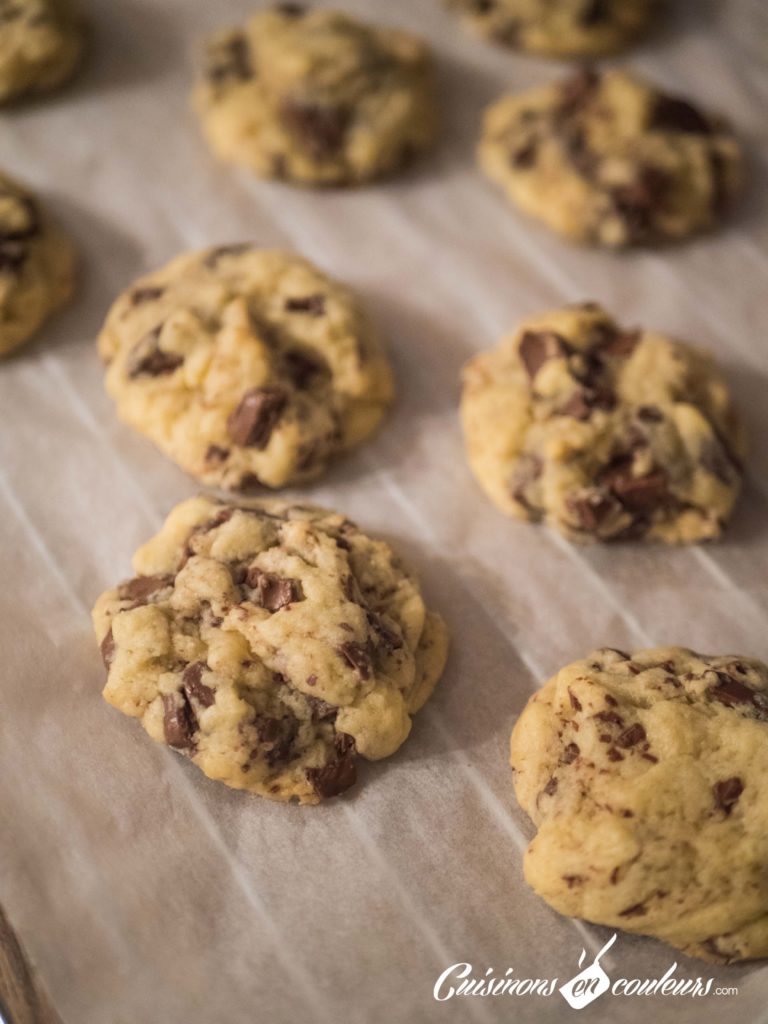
671, 114
249, 483
575, 702
340, 773
551, 787
301, 368
575, 142
322, 711
179, 722
583, 402
596, 12
13, 255
142, 588
358, 657
578, 90
637, 202
272, 591
291, 10
570, 753
391, 640
619, 343
147, 359
215, 453
231, 61
148, 294
636, 493
525, 156
108, 649
194, 687
275, 736
252, 422
614, 755
591, 510
320, 129
727, 793
631, 737
538, 347
571, 880
732, 693
314, 305
610, 716
222, 251
636, 910
650, 414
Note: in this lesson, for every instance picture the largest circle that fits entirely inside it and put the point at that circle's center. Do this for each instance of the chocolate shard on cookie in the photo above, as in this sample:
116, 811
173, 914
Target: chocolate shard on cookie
606, 434
608, 159
249, 368
316, 97
643, 773
272, 644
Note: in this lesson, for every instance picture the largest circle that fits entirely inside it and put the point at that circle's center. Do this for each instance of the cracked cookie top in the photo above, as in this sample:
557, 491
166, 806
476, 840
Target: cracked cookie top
316, 97
247, 367
604, 433
272, 644
644, 774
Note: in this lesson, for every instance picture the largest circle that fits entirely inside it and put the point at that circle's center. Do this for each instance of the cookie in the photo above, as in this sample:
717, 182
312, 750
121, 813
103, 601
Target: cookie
247, 367
270, 643
644, 774
608, 159
36, 266
602, 432
559, 28
41, 43
316, 97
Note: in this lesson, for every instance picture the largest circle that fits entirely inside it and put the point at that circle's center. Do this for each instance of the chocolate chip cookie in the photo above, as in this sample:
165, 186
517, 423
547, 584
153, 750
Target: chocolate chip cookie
559, 28
645, 775
608, 159
316, 97
604, 433
247, 367
41, 42
272, 644
36, 265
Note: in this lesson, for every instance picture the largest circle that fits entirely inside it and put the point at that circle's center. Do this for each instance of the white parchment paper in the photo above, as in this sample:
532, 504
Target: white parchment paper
146, 893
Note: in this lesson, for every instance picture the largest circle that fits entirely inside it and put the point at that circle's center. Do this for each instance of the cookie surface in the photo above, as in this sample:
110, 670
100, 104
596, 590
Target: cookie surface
247, 367
608, 159
603, 433
316, 97
270, 643
645, 775
41, 42
559, 28
36, 265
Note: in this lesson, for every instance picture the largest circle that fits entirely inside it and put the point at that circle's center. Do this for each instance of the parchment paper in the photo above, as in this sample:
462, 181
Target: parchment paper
143, 891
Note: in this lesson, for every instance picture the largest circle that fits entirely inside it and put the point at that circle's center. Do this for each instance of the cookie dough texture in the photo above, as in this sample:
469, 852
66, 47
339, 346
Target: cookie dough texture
36, 266
41, 43
559, 28
270, 643
604, 433
247, 367
608, 159
645, 775
316, 97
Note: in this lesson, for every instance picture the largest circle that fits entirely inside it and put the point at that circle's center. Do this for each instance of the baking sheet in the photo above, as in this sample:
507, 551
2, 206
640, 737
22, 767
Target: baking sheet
143, 891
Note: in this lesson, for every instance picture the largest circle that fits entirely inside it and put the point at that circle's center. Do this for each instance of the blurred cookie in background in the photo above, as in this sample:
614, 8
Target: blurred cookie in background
41, 45
606, 158
316, 97
37, 265
559, 28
